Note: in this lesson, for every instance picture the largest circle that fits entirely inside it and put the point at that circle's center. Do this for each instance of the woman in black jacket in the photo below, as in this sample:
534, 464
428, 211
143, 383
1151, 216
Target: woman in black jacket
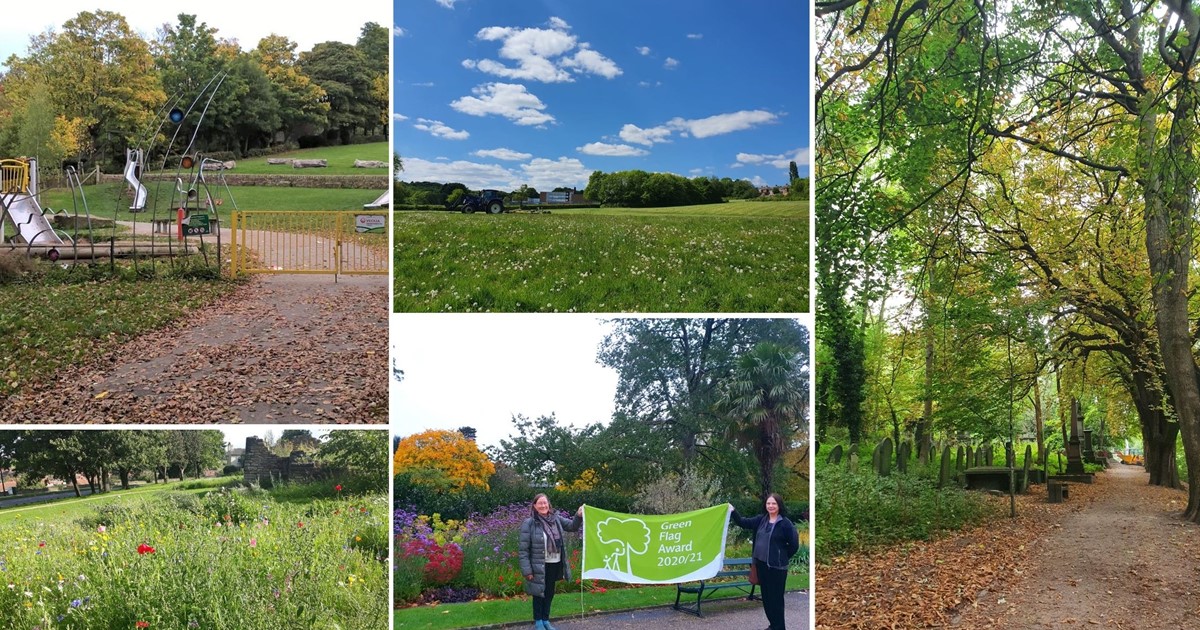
775, 542
542, 551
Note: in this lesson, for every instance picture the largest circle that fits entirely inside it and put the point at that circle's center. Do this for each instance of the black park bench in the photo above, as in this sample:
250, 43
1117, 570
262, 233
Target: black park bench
734, 568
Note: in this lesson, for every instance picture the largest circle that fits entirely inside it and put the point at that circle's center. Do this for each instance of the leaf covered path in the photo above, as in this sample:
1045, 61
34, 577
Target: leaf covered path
1116, 555
279, 349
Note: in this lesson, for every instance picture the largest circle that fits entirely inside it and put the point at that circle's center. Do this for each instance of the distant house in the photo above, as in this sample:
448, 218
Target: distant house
771, 191
572, 197
233, 456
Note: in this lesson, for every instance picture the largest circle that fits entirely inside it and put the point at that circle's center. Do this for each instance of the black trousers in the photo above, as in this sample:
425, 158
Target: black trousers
772, 582
541, 605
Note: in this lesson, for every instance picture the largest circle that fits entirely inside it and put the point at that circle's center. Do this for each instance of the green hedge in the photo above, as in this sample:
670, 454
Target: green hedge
462, 504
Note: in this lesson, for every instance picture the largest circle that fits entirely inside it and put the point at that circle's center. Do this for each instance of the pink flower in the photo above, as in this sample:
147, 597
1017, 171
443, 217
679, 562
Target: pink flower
253, 542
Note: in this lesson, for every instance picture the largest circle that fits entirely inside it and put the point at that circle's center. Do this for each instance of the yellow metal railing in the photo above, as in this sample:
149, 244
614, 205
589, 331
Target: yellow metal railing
14, 176
266, 241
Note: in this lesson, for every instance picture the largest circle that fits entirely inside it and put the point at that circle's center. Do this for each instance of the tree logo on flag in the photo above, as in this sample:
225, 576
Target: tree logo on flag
629, 535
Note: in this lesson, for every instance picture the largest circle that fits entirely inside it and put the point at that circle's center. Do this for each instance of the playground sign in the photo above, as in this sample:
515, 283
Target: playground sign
370, 223
195, 224
654, 549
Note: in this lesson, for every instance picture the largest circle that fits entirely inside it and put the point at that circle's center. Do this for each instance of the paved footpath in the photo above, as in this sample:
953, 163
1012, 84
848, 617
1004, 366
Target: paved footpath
723, 613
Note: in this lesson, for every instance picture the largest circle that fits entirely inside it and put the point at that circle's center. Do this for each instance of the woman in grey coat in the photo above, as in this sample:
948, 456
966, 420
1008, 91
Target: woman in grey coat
543, 555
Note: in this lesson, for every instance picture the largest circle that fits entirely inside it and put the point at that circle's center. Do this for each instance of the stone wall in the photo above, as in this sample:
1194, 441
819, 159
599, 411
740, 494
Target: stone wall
259, 464
286, 180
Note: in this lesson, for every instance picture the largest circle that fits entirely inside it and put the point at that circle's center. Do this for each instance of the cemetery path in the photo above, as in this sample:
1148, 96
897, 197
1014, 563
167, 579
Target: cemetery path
1125, 561
279, 349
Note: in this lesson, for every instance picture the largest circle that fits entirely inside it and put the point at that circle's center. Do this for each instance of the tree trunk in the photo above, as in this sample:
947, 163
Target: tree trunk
75, 484
1039, 422
1168, 187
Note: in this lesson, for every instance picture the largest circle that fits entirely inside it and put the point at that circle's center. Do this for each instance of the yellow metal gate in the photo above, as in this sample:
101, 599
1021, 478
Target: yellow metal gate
343, 242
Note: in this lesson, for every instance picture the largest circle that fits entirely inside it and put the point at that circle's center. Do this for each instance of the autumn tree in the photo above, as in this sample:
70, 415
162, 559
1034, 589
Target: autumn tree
448, 453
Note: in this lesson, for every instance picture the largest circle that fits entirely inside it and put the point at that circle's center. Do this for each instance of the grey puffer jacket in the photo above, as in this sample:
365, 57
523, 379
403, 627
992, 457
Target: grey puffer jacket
531, 551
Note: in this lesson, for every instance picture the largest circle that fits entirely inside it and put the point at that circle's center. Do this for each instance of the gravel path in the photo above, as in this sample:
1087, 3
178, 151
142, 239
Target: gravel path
1127, 560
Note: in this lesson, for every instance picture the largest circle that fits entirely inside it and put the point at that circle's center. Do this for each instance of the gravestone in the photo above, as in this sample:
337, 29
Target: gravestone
944, 473
959, 462
970, 458
988, 456
835, 456
923, 449
902, 456
883, 466
852, 464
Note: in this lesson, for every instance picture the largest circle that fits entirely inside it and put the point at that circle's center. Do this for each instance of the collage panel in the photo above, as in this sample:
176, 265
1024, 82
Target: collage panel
576, 471
1006, 367
190, 228
567, 159
251, 527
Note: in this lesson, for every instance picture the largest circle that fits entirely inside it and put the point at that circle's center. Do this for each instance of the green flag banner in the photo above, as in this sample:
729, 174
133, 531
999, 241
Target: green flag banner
653, 549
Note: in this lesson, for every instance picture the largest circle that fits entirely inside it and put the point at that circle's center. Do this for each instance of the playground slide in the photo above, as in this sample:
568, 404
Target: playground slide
383, 201
139, 190
34, 227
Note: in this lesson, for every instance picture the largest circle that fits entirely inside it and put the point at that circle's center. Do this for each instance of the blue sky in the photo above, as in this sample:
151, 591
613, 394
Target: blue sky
543, 92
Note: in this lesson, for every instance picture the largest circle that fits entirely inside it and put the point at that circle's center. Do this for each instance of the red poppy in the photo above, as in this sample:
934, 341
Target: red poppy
338, 487
42, 544
142, 550
300, 524
142, 624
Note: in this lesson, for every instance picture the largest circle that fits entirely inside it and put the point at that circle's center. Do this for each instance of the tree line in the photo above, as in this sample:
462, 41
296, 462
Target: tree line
90, 90
99, 455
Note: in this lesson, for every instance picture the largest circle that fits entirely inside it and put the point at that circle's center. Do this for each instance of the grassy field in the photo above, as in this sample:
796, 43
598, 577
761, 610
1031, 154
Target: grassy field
341, 161
231, 559
734, 257
110, 201
75, 507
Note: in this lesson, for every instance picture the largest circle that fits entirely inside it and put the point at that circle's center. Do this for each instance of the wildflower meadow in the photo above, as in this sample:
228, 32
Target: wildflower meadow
228, 557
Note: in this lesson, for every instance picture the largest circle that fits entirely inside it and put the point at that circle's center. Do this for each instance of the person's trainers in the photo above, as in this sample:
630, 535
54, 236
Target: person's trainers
538, 624
547, 626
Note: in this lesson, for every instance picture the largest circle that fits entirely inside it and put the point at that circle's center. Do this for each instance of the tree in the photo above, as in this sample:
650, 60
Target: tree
793, 173
668, 375
113, 91
302, 105
765, 398
343, 72
455, 457
362, 453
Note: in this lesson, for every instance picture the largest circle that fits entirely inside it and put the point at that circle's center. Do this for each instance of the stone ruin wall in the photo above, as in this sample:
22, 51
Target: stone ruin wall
258, 463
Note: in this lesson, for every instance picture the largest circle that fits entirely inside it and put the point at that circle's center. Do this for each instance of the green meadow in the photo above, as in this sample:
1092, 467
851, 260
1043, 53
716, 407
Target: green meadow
732, 257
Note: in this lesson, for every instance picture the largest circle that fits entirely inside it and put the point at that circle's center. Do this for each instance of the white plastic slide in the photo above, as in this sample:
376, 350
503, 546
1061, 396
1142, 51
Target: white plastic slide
133, 159
383, 201
33, 226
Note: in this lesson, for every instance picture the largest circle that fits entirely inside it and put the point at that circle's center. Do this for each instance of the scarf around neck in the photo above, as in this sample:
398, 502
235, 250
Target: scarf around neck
549, 524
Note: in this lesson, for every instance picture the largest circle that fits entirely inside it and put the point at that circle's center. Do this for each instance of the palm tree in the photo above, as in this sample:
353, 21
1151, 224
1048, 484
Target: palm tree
765, 399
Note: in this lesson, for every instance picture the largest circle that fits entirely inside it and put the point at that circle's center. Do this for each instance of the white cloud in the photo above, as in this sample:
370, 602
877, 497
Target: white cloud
398, 116
695, 36
546, 174
424, 84
637, 135
671, 63
609, 150
503, 154
440, 130
398, 32
782, 160
449, 4
643, 50
723, 123
758, 181
541, 54
590, 61
541, 173
649, 84
504, 99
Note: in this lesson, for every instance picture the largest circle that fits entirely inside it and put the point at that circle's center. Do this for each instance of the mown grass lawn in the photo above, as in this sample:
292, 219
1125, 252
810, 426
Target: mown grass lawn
734, 257
340, 161
110, 201
209, 560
